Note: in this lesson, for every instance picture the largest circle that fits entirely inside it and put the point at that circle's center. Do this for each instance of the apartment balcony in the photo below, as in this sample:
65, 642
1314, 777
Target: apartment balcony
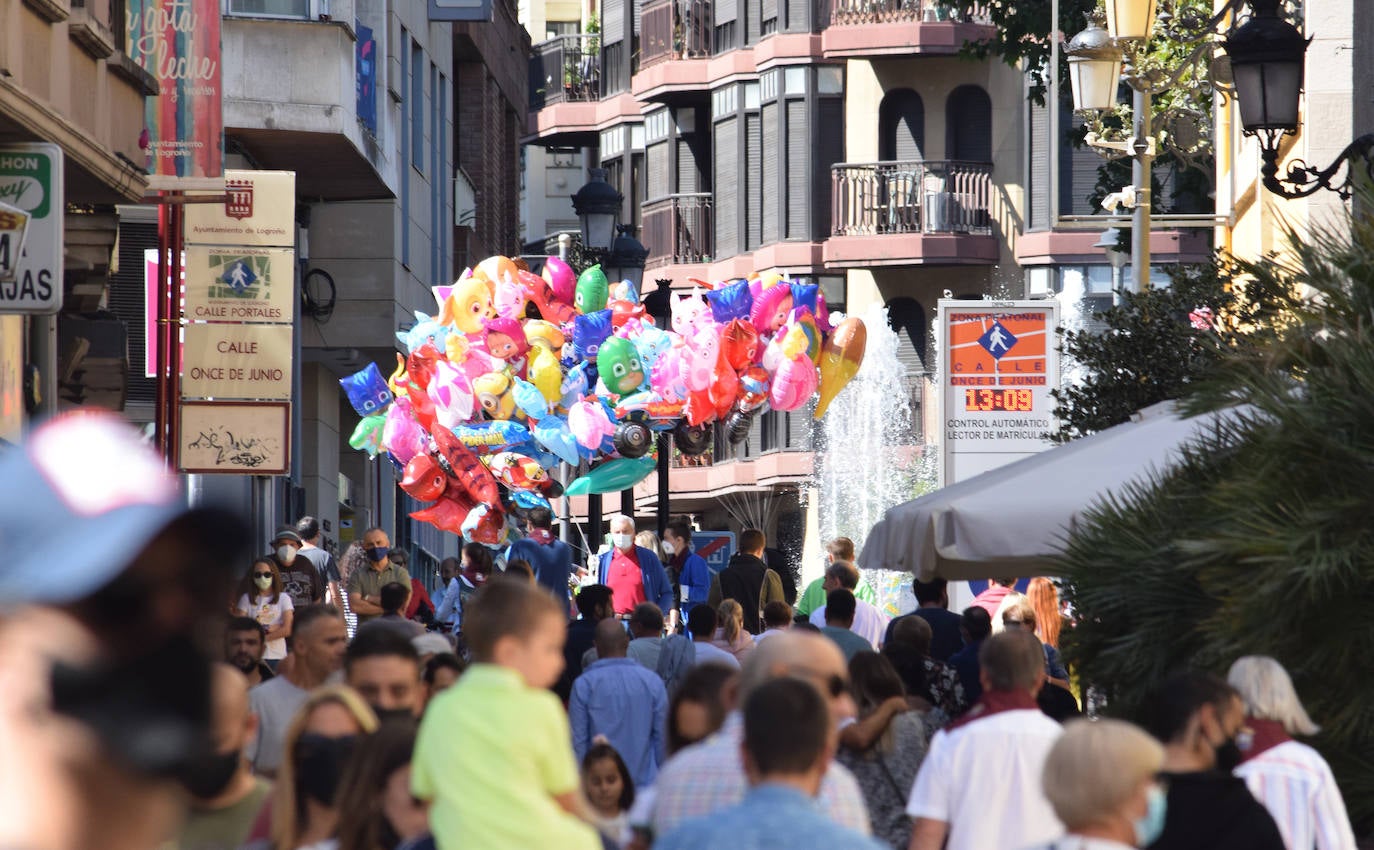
679, 231
871, 28
291, 103
570, 99
672, 33
911, 212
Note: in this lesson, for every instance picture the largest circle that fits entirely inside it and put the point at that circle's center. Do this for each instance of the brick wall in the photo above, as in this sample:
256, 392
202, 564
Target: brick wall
487, 138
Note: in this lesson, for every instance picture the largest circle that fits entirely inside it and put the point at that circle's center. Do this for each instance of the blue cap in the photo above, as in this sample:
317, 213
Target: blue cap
85, 483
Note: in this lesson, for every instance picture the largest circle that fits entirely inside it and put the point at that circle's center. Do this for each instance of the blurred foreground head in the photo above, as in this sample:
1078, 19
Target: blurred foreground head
111, 590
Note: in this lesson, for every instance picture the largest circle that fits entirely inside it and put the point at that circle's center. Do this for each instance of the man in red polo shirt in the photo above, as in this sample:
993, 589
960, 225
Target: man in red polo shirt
634, 574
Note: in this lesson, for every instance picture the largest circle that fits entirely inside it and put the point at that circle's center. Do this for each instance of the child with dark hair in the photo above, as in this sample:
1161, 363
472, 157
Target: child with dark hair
610, 789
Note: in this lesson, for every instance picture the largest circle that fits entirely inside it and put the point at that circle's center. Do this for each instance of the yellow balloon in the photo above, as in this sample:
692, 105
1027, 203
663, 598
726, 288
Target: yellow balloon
399, 378
840, 359
456, 348
545, 374
468, 305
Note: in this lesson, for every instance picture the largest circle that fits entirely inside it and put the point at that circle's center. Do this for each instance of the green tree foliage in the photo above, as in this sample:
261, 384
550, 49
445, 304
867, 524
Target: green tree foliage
1261, 541
1151, 350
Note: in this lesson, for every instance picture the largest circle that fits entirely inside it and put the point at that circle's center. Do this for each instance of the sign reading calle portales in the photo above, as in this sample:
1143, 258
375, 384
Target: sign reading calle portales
240, 284
31, 181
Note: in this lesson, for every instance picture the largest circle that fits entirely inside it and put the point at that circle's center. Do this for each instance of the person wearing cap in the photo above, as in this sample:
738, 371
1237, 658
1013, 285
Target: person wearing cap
365, 586
299, 578
105, 679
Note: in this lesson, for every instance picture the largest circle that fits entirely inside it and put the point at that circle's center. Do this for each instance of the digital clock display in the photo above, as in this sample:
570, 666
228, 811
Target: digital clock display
1012, 401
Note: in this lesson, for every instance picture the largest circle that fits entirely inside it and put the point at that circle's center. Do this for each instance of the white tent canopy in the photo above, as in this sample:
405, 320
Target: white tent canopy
1014, 520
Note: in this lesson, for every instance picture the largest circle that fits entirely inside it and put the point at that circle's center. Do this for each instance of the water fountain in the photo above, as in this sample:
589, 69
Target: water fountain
867, 455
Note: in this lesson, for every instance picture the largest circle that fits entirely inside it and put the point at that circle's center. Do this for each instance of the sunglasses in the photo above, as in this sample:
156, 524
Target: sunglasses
831, 683
262, 575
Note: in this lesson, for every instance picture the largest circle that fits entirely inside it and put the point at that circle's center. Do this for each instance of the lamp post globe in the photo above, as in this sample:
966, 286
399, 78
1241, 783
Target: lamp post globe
1130, 19
627, 258
1094, 68
597, 205
1266, 54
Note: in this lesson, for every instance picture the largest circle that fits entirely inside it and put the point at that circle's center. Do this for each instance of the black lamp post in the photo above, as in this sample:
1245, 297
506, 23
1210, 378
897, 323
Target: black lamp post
1267, 56
659, 305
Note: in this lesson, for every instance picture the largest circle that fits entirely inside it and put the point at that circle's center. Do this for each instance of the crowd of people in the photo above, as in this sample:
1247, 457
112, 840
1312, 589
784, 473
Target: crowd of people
657, 706
643, 704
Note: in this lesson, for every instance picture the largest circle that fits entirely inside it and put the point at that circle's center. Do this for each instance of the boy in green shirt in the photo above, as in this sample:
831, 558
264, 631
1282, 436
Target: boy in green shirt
839, 549
494, 753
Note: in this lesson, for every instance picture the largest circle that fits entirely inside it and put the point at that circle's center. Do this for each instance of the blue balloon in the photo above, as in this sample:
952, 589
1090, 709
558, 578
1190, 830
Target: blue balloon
804, 296
367, 390
528, 499
732, 301
589, 332
552, 433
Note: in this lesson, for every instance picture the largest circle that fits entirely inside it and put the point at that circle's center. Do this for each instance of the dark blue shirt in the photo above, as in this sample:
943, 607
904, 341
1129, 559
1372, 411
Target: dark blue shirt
945, 637
552, 563
965, 663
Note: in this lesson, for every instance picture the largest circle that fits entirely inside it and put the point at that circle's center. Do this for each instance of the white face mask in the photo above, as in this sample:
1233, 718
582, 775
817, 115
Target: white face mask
622, 541
669, 549
286, 553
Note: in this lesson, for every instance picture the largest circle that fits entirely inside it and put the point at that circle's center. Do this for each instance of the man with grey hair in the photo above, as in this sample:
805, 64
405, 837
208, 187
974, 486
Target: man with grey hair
710, 776
990, 760
869, 623
634, 574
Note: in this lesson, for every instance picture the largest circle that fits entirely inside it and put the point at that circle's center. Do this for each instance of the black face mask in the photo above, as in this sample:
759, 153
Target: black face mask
320, 761
394, 715
1228, 755
206, 776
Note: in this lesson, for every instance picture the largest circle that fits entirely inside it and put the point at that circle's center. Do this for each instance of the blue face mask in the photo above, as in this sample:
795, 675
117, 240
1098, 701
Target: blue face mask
1149, 828
378, 554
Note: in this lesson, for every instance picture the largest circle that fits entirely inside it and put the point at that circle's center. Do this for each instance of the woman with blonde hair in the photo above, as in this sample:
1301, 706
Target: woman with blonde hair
1043, 596
1291, 779
731, 635
1100, 779
318, 745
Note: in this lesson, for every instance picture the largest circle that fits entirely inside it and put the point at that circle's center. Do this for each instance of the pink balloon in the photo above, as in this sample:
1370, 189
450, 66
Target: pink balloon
451, 390
401, 435
589, 424
702, 353
666, 377
794, 383
561, 278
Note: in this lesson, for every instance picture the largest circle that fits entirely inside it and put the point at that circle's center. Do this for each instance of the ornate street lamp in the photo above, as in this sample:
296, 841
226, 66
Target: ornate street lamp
1130, 18
1267, 55
627, 258
597, 205
1094, 68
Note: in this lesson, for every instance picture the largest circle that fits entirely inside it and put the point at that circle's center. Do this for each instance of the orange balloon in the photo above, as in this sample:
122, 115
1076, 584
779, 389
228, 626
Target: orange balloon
840, 359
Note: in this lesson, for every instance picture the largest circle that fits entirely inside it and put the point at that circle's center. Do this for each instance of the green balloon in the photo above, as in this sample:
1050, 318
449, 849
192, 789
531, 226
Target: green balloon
621, 473
592, 291
367, 437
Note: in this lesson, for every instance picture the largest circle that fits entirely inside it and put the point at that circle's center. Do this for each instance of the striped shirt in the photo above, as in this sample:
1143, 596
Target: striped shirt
1295, 784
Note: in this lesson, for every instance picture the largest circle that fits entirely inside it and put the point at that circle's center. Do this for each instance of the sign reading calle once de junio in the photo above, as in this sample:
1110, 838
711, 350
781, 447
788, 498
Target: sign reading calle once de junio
223, 361
260, 211
31, 180
240, 284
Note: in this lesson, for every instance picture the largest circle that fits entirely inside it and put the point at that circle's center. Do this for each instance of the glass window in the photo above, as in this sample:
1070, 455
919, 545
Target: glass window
751, 95
299, 9
417, 106
830, 79
553, 29
794, 80
1038, 281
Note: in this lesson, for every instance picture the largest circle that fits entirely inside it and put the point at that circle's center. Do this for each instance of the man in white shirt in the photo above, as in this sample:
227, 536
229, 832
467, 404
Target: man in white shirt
980, 783
869, 623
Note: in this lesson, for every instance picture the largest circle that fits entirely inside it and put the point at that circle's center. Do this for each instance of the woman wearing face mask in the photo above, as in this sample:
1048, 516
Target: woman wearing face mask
261, 598
319, 743
1100, 778
376, 809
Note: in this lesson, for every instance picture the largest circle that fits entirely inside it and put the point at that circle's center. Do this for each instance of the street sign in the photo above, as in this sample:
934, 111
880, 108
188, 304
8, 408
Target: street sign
31, 180
14, 223
240, 284
234, 437
998, 365
225, 361
716, 547
260, 210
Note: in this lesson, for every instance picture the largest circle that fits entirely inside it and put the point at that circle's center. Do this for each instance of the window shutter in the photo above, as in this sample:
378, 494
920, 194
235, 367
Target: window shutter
768, 173
752, 23
798, 202
753, 181
770, 10
1038, 192
968, 122
1083, 169
726, 11
686, 168
613, 21
829, 150
799, 15
656, 157
727, 175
